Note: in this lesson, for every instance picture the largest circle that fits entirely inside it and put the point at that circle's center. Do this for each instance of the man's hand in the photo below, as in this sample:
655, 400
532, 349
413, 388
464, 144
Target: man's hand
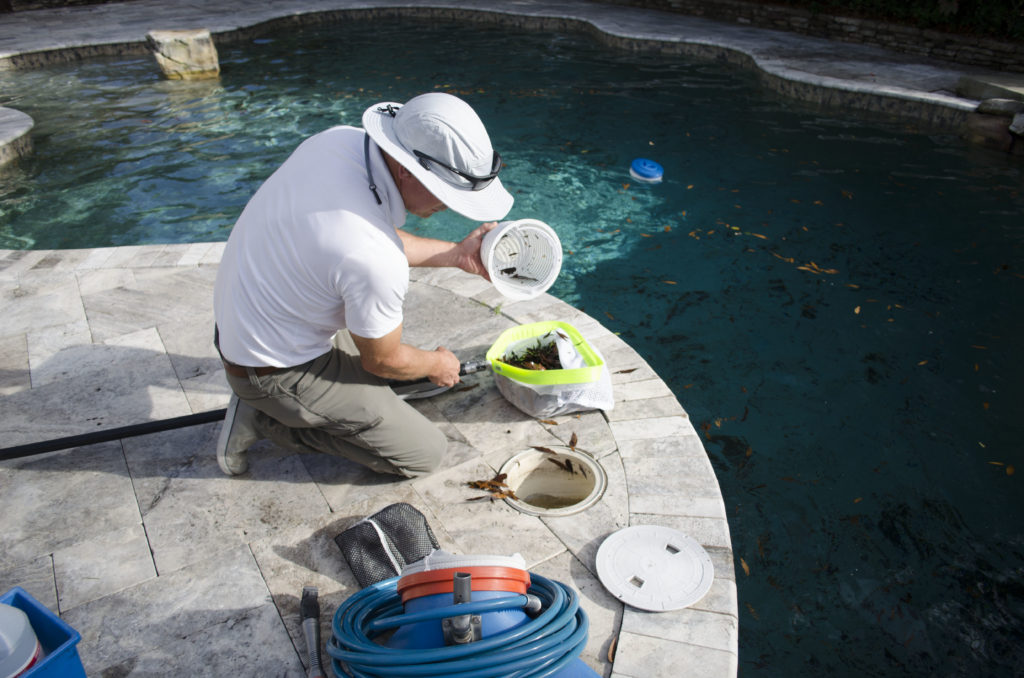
447, 373
469, 251
389, 358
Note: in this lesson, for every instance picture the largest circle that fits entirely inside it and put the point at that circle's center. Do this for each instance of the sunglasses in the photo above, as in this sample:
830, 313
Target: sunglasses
475, 183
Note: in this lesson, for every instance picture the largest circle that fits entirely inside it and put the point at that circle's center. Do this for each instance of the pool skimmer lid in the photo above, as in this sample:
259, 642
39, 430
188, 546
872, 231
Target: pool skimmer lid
654, 568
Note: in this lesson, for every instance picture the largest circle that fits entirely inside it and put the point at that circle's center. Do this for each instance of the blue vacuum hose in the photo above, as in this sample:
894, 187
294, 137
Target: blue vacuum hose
540, 647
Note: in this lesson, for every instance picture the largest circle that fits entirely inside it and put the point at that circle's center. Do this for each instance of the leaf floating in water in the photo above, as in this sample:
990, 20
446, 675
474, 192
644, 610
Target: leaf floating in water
858, 500
669, 282
1010, 470
856, 311
847, 195
923, 362
746, 568
752, 611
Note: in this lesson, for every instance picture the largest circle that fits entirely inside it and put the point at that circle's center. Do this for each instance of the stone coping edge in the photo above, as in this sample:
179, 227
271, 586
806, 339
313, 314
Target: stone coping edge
937, 110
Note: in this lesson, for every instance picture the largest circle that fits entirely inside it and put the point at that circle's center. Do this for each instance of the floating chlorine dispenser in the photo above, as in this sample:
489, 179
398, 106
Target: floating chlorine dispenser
522, 257
646, 171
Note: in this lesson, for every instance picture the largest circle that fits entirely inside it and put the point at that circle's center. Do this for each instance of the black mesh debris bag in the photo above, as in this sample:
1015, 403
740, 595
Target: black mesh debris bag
378, 547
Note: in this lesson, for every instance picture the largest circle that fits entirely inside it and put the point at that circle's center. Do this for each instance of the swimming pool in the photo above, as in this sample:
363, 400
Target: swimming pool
836, 303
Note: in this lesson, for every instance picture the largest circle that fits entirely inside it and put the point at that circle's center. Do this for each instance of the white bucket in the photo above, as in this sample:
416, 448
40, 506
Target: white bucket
522, 257
19, 647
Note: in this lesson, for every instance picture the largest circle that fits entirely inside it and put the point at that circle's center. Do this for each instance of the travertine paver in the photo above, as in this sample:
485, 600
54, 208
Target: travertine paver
133, 345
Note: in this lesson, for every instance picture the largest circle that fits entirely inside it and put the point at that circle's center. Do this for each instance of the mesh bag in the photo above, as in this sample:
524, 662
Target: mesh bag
378, 547
583, 383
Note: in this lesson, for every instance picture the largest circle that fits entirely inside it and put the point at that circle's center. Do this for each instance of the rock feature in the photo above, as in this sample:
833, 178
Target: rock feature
185, 54
15, 141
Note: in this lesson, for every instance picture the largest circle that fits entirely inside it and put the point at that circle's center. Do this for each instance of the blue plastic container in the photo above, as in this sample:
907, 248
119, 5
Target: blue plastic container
427, 634
58, 640
646, 170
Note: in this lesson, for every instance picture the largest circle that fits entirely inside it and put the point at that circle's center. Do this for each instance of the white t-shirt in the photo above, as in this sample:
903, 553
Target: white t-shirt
312, 253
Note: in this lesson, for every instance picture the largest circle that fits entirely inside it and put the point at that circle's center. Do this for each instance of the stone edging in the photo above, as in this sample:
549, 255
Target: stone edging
934, 44
937, 110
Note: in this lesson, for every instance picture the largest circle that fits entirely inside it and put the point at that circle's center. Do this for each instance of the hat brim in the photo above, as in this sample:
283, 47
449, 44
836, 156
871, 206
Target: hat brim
488, 204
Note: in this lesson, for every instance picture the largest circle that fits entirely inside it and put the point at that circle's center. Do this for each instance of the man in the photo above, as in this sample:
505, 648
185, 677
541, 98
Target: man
319, 248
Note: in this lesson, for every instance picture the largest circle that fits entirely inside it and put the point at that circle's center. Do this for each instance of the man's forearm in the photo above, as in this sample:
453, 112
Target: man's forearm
422, 251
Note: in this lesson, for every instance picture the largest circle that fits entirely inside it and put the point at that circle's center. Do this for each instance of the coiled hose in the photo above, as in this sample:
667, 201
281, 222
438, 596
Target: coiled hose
538, 648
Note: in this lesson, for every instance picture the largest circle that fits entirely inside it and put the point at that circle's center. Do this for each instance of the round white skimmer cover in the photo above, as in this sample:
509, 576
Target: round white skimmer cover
655, 568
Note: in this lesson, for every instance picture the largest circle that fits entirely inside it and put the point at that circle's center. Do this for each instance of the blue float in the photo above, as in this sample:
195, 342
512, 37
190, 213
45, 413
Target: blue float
646, 170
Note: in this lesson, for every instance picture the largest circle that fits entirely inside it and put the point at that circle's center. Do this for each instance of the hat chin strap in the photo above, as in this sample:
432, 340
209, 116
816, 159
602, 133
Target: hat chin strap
369, 172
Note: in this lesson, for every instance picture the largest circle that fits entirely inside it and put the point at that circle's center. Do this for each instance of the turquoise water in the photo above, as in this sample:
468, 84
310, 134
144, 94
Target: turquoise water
837, 303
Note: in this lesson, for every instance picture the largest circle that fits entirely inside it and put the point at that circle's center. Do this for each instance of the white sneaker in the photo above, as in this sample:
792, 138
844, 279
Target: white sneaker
237, 435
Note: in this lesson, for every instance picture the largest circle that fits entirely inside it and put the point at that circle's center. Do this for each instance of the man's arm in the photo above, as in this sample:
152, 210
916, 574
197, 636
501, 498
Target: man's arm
437, 253
389, 358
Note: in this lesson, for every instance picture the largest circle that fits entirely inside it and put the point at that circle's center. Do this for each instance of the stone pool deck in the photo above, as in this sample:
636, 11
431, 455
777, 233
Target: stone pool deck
160, 561
165, 565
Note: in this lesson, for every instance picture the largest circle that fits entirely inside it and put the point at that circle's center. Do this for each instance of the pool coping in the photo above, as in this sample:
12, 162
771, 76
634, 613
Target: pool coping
827, 73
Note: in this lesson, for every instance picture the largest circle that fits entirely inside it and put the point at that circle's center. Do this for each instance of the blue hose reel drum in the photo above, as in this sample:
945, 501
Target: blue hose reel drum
507, 621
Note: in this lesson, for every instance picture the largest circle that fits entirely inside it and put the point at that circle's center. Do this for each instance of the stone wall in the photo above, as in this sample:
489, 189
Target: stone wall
967, 50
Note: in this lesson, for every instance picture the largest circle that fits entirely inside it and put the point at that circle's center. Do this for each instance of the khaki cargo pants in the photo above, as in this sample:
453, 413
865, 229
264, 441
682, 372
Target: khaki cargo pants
332, 405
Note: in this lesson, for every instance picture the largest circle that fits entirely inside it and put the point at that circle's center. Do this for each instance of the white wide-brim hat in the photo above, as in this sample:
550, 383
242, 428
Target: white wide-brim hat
447, 129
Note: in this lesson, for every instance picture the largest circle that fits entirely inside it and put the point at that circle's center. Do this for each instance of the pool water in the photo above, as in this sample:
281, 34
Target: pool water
837, 303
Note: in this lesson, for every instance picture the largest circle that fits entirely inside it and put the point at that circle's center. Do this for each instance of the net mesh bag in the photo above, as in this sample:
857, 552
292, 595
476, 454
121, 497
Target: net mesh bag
379, 546
583, 383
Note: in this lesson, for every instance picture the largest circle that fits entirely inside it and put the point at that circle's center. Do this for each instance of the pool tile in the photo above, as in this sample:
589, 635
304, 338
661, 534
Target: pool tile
638, 390
93, 281
663, 406
305, 554
219, 603
36, 577
651, 428
192, 509
83, 571
604, 612
61, 499
14, 370
694, 627
95, 258
640, 655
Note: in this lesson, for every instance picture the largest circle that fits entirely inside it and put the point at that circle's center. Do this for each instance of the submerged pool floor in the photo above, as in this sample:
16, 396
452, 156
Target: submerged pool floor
836, 302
